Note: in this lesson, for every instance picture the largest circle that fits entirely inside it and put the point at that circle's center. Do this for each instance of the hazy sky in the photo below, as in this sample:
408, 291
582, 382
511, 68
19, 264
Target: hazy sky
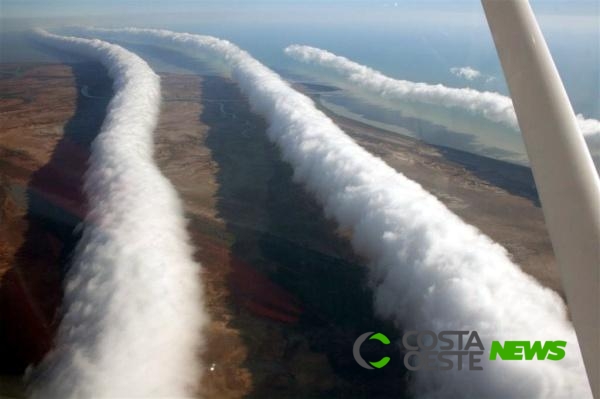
63, 8
414, 40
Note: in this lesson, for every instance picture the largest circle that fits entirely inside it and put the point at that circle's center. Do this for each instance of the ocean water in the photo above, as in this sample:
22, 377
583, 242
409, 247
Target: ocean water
417, 41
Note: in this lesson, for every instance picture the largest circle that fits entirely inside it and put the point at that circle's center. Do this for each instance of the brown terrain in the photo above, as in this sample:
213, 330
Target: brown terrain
285, 292
499, 198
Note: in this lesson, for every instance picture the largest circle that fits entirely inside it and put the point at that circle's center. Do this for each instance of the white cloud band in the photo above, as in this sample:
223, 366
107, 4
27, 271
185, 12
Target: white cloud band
492, 106
428, 269
132, 300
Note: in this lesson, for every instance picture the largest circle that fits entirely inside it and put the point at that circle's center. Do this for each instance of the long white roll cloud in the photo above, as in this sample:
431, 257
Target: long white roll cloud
428, 269
132, 299
492, 106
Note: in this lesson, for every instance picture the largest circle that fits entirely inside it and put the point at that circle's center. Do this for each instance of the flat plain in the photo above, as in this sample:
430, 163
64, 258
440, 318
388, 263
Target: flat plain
286, 294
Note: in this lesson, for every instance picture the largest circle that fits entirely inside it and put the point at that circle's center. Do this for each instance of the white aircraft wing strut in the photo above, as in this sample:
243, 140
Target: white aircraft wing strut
566, 180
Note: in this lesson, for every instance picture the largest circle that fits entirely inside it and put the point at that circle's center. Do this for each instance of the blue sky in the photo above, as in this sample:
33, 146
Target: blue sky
44, 8
414, 40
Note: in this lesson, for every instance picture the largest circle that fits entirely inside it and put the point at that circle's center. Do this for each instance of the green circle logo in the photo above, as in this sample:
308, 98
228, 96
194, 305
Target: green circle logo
358, 343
